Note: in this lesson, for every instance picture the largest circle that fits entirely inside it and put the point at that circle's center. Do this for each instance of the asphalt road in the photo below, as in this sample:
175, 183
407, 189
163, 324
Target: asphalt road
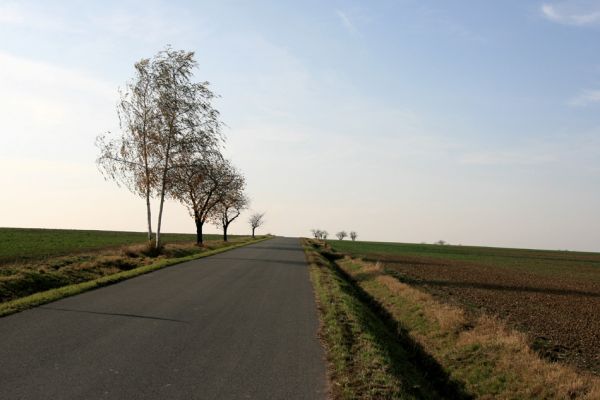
237, 325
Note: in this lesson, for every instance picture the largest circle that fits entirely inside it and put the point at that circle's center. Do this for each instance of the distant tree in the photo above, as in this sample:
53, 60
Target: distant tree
353, 235
440, 242
324, 235
341, 235
232, 200
316, 233
256, 220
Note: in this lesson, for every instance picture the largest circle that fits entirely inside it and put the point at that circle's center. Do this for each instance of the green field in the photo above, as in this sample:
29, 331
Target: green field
17, 244
544, 262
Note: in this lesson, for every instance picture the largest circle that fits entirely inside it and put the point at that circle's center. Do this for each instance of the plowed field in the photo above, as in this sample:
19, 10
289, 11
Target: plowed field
553, 296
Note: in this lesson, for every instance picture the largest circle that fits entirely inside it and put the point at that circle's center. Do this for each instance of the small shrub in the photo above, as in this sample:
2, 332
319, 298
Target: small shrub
150, 250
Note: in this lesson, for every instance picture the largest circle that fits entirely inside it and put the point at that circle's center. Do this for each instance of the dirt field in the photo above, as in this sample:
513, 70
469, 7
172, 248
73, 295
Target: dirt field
552, 296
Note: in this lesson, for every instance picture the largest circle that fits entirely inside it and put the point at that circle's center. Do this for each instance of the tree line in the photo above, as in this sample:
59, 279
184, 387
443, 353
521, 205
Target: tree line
169, 146
341, 235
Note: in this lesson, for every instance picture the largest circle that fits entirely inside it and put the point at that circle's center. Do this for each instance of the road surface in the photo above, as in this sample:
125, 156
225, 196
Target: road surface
238, 325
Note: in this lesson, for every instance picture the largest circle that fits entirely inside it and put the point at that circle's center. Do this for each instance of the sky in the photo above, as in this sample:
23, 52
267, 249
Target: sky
473, 122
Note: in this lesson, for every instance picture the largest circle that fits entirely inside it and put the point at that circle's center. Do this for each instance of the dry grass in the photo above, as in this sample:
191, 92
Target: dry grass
365, 359
493, 361
19, 279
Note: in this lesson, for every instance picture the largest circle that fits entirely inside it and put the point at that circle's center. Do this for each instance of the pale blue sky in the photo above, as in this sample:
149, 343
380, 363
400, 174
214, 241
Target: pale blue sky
476, 122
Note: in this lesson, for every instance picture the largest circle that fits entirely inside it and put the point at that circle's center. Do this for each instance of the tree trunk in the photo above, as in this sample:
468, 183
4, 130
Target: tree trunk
199, 225
225, 226
162, 193
147, 181
253, 228
160, 211
149, 215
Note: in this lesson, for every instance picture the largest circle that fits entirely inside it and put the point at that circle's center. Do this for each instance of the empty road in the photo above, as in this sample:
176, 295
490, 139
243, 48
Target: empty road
238, 325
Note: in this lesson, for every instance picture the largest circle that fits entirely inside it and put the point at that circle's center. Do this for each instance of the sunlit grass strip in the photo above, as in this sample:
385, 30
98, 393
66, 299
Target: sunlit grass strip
23, 303
490, 359
365, 359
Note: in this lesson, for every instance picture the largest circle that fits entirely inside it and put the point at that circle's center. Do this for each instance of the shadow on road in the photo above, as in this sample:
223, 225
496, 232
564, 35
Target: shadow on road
114, 314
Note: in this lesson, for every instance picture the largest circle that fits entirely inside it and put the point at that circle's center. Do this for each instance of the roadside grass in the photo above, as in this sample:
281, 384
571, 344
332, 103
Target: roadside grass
35, 284
23, 244
367, 358
489, 359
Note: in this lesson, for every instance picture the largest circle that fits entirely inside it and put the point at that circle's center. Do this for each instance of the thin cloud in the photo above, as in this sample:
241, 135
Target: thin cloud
572, 13
151, 23
347, 22
585, 98
43, 102
505, 158
37, 18
11, 14
433, 19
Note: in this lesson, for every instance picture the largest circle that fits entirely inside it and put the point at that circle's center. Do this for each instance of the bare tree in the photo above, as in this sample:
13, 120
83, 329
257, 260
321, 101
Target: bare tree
166, 120
256, 220
341, 235
129, 159
232, 200
181, 105
319, 234
198, 185
353, 235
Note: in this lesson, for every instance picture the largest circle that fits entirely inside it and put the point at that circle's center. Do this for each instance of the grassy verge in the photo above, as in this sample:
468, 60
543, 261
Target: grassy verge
368, 358
26, 244
490, 360
47, 296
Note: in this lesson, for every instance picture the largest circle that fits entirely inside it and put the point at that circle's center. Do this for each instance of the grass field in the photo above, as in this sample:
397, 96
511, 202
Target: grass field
461, 305
17, 244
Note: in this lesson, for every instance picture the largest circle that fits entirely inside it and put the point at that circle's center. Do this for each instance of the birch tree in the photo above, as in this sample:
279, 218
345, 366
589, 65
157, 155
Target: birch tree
166, 120
189, 125
129, 159
173, 70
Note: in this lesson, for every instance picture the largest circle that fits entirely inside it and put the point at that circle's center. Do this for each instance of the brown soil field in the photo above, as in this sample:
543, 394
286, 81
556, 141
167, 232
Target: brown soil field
559, 312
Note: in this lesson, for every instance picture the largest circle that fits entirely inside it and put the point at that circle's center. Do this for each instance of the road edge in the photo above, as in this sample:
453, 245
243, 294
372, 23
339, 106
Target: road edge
37, 299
